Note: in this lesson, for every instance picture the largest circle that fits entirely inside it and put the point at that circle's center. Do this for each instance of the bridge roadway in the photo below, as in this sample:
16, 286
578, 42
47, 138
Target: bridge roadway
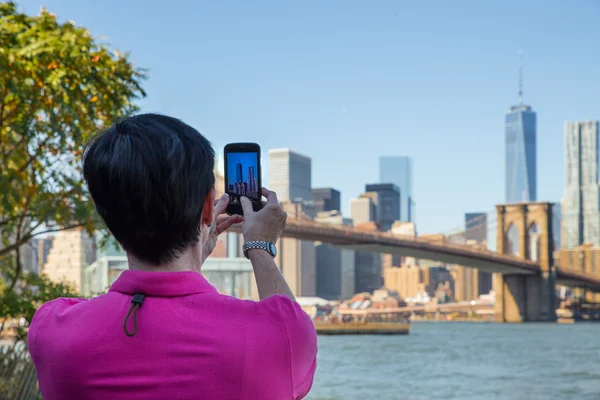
448, 253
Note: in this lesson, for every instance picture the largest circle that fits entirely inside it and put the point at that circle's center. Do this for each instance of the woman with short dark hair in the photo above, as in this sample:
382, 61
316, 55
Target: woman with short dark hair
162, 331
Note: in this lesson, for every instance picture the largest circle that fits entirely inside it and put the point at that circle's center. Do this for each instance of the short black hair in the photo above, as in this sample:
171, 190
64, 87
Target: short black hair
149, 176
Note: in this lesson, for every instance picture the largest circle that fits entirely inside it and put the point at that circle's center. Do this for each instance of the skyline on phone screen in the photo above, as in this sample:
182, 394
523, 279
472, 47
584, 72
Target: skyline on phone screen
242, 174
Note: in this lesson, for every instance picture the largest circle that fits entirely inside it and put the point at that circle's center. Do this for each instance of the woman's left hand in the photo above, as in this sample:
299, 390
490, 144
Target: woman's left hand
219, 225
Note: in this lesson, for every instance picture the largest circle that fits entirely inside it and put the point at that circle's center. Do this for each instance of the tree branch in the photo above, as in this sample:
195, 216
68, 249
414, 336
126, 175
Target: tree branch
18, 268
17, 243
17, 271
2, 117
8, 220
64, 228
30, 232
31, 235
36, 153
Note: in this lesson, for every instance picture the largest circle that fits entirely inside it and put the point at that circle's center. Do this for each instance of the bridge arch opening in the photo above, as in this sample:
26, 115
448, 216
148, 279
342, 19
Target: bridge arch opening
533, 235
512, 242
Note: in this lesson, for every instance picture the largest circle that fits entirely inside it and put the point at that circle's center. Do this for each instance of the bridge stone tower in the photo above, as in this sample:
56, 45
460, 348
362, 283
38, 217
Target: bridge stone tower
525, 230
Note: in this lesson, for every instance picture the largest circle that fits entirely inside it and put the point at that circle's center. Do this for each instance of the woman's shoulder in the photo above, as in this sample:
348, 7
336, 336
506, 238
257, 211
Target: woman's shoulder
56, 305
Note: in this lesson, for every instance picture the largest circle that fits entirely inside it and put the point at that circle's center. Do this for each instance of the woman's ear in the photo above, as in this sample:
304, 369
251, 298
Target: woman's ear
208, 209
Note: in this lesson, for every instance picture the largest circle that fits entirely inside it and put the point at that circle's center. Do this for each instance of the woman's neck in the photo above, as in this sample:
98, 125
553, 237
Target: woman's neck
189, 260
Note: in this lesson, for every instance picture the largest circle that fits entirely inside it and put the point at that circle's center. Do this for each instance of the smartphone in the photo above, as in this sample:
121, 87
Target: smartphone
242, 176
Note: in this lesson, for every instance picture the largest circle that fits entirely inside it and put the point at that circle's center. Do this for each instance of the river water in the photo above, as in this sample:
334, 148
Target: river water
462, 361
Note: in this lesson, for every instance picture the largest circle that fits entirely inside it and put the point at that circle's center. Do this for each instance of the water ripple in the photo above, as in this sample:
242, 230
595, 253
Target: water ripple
462, 361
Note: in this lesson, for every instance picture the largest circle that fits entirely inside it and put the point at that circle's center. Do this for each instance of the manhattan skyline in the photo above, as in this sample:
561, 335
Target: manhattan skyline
368, 80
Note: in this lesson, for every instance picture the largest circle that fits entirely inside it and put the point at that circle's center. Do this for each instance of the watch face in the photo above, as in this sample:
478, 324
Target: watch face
272, 249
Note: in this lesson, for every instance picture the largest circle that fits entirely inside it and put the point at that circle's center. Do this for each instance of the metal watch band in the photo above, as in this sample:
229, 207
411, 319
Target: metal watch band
258, 246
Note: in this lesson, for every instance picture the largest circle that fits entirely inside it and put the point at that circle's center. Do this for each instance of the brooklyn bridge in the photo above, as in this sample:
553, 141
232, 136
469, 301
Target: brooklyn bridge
525, 275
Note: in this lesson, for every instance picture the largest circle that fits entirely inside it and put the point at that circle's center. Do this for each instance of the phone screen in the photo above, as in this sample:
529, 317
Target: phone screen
242, 175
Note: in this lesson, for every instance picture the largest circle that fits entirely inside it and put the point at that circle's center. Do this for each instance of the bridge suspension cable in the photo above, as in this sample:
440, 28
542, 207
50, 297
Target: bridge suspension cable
474, 226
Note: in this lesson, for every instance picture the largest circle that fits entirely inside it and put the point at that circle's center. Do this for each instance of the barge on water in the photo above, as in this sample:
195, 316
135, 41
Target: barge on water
364, 322
362, 328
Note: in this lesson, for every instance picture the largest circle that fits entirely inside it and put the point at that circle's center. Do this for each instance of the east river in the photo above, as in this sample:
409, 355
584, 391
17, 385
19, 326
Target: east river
458, 360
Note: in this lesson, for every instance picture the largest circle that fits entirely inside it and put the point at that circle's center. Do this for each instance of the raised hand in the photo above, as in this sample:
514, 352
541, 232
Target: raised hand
219, 225
266, 224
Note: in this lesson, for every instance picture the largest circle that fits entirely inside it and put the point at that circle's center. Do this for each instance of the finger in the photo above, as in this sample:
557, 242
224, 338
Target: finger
223, 218
271, 196
246, 205
222, 204
223, 226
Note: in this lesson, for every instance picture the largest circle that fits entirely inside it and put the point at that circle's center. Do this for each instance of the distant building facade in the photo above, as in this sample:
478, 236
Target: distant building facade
326, 199
72, 250
584, 259
581, 210
466, 283
335, 265
40, 248
368, 271
399, 171
290, 175
297, 258
521, 155
362, 210
476, 231
388, 203
407, 281
230, 276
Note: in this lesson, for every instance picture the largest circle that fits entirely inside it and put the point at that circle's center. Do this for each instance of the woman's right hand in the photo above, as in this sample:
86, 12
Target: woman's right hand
265, 225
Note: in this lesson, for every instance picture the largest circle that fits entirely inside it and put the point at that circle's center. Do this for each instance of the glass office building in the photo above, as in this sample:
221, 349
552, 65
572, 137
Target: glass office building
387, 205
581, 212
290, 175
399, 171
326, 199
521, 175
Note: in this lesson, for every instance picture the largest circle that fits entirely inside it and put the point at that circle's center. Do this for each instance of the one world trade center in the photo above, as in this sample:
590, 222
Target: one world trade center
521, 174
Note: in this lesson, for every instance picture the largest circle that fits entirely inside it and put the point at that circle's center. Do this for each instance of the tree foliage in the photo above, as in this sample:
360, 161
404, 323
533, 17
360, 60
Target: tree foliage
58, 86
22, 300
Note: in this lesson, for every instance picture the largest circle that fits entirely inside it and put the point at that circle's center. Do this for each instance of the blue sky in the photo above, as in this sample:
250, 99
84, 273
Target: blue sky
347, 81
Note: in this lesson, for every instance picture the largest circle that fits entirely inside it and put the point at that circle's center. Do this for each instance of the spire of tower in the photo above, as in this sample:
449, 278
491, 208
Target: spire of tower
520, 97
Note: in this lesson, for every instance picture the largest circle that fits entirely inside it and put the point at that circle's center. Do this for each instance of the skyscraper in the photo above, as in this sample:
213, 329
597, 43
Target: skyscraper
466, 283
290, 175
362, 210
476, 230
290, 178
239, 176
521, 153
326, 199
367, 272
252, 183
335, 265
388, 203
399, 171
581, 212
297, 258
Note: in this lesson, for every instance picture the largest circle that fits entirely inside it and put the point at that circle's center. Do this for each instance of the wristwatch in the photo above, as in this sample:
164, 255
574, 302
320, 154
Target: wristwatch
269, 247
